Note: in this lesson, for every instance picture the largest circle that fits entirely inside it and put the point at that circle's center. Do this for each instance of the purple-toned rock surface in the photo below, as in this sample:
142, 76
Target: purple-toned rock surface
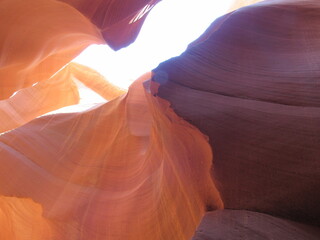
253, 86
241, 224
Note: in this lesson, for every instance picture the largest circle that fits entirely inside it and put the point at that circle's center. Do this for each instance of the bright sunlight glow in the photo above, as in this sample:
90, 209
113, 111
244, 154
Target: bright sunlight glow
167, 31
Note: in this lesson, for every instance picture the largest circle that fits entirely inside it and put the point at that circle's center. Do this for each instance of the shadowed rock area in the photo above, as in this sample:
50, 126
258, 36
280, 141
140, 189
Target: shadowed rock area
252, 86
241, 224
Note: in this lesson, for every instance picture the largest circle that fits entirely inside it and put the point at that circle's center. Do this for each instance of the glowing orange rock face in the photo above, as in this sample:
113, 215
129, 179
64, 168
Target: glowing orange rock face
22, 219
48, 95
56, 92
37, 39
95, 81
130, 169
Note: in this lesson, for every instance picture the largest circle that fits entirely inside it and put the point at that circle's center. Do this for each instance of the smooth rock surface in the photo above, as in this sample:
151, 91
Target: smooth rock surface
253, 86
240, 224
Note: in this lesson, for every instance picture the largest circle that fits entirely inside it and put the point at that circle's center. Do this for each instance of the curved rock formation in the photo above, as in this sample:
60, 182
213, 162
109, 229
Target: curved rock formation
134, 169
37, 39
252, 86
130, 169
54, 93
118, 21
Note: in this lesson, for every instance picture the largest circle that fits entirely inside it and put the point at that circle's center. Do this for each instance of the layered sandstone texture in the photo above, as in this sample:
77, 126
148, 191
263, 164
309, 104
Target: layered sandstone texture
234, 122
